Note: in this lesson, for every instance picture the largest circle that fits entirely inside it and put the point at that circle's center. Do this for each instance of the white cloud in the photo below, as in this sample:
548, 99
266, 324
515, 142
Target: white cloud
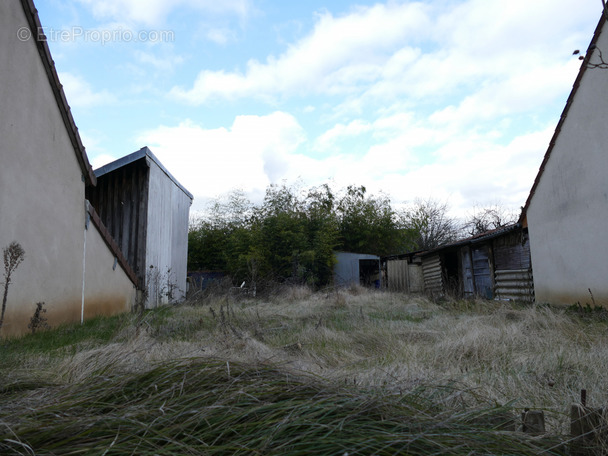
155, 12
251, 154
220, 35
337, 55
258, 150
341, 131
441, 99
412, 49
102, 159
80, 94
166, 62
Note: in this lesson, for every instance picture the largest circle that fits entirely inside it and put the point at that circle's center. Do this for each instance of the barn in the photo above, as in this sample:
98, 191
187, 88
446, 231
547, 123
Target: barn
146, 211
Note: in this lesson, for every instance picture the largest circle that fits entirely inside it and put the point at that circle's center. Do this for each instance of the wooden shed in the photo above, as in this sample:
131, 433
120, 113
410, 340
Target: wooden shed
146, 211
493, 265
404, 273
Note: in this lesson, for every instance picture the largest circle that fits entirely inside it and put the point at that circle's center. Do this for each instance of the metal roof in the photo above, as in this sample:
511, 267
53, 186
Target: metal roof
144, 152
485, 236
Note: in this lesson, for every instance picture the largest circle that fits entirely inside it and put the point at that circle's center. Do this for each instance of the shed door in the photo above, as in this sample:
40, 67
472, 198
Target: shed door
467, 273
481, 271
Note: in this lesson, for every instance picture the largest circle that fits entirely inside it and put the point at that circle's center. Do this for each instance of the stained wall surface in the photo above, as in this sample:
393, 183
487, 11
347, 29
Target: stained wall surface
42, 189
568, 211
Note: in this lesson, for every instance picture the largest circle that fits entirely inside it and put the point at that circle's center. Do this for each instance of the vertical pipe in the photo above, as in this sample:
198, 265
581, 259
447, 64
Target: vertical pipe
84, 262
87, 217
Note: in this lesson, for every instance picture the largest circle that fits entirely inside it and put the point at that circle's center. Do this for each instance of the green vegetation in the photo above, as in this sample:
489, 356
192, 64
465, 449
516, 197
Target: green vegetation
355, 372
292, 235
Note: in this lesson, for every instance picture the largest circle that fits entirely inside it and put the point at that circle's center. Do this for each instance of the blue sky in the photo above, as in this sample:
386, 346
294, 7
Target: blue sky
454, 100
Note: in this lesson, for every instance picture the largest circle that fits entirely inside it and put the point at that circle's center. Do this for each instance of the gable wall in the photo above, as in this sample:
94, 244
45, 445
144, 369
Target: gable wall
42, 202
568, 213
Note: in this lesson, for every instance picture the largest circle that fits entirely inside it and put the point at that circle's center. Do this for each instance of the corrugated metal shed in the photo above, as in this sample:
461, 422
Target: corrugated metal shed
433, 275
513, 267
146, 210
356, 269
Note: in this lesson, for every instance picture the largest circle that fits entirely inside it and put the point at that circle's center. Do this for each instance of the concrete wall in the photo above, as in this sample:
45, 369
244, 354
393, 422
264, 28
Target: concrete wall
41, 187
107, 289
568, 213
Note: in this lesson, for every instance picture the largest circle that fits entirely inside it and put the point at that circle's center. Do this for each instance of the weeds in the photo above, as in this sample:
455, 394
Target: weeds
38, 321
211, 407
13, 256
380, 373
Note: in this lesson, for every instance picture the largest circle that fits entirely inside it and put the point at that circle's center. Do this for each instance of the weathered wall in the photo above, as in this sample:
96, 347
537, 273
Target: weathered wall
398, 275
108, 290
404, 276
568, 213
121, 200
346, 269
41, 187
167, 238
433, 275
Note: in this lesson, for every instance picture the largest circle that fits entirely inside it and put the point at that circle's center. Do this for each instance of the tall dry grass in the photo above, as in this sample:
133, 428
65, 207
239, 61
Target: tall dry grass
460, 359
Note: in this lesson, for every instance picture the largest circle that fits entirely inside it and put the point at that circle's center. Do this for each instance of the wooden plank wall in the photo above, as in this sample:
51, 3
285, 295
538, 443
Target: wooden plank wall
121, 198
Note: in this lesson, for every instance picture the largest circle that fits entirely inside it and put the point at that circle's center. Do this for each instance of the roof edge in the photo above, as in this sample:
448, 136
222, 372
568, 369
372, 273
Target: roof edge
564, 115
137, 155
31, 14
485, 236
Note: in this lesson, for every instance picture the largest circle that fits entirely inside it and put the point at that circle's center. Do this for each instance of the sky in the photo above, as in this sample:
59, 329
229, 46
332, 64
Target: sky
454, 100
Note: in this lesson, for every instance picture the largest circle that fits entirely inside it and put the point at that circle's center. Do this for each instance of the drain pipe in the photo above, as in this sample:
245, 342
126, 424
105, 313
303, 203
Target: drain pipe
84, 255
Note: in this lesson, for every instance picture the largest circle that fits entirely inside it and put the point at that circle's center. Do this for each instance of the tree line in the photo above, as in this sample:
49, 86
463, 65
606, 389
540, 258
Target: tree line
292, 235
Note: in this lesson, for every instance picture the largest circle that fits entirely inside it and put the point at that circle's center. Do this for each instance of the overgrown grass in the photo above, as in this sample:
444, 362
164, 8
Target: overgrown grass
216, 407
327, 373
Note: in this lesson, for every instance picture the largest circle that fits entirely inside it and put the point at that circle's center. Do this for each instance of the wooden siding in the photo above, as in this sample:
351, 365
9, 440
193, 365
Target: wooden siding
482, 271
512, 252
466, 262
121, 199
397, 275
415, 278
404, 276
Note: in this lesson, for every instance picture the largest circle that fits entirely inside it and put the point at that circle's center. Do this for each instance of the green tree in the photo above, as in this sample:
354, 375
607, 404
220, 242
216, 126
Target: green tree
368, 224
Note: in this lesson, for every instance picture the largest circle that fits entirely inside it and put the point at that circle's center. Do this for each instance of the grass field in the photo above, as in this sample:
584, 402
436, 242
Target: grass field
349, 372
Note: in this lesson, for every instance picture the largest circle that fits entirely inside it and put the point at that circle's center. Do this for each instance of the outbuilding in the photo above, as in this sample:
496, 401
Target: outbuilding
147, 211
357, 269
493, 265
